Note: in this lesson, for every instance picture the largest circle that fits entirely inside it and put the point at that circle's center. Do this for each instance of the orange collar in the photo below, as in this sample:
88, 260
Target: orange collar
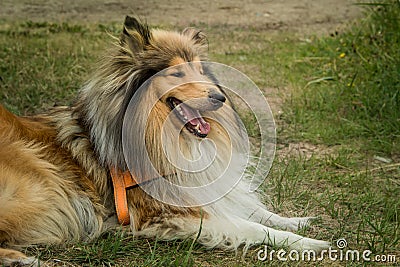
122, 181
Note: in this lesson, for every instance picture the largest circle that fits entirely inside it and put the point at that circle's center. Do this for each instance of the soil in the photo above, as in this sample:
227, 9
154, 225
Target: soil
299, 15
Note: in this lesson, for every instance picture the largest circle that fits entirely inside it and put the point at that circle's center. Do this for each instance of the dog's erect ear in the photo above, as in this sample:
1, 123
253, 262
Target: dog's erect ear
198, 36
135, 34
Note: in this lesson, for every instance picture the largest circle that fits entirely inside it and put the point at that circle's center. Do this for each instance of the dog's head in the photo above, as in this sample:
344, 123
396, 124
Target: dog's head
190, 95
152, 76
180, 82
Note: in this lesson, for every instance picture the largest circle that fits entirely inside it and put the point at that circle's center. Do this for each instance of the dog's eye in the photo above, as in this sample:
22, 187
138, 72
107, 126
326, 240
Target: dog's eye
178, 74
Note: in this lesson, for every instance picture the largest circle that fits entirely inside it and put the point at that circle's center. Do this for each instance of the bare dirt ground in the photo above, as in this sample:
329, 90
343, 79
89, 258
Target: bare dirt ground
299, 15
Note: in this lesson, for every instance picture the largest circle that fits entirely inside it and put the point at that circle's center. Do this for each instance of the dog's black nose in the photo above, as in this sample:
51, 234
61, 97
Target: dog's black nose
216, 97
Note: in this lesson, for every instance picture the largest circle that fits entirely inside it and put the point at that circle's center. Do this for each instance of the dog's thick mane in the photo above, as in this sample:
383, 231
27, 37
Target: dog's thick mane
138, 55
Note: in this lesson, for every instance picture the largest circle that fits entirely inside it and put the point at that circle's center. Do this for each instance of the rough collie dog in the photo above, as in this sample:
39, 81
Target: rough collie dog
57, 169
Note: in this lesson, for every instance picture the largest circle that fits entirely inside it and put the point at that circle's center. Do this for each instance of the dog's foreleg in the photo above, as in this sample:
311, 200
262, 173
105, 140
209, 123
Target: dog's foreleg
230, 233
265, 217
238, 232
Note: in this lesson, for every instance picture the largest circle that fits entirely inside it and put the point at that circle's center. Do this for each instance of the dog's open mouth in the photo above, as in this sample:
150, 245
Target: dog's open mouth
192, 118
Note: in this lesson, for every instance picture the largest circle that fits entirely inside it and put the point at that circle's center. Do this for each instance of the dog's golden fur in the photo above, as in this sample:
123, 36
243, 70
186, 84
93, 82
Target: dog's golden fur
55, 184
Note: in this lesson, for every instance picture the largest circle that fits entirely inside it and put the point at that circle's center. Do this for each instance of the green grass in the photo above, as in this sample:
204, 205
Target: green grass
119, 248
340, 100
353, 86
43, 64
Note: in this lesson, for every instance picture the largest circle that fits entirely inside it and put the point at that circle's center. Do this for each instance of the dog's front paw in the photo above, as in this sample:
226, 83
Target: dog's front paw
310, 244
296, 223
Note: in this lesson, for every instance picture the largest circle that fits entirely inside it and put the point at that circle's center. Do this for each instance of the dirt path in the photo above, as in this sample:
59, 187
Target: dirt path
300, 15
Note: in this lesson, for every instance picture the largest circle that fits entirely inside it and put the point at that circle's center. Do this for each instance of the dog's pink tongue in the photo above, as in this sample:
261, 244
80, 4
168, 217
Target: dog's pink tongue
204, 126
194, 118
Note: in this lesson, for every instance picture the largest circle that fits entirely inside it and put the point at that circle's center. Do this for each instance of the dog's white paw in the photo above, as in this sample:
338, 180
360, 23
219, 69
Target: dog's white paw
296, 223
310, 244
